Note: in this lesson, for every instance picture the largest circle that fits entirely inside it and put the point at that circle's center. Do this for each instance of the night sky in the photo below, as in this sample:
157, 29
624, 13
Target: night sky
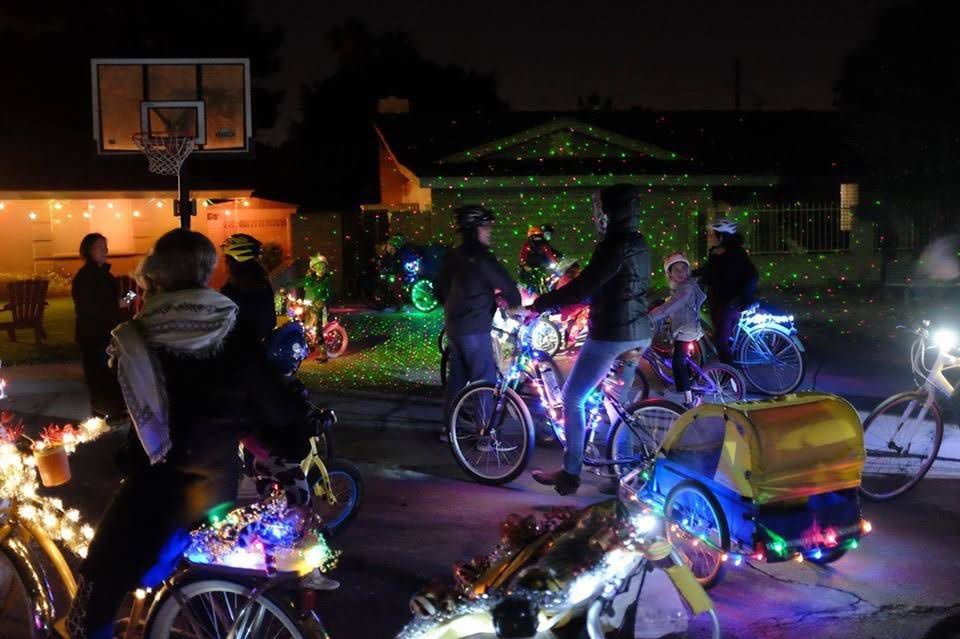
661, 55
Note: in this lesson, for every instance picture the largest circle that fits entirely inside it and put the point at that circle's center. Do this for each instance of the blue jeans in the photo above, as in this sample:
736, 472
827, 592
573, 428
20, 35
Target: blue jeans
592, 365
471, 360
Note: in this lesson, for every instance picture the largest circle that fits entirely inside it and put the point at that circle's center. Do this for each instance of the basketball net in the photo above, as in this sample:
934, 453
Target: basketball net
165, 153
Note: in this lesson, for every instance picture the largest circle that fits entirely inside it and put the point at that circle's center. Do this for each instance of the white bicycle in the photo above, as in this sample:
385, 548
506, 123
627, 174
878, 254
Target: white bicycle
902, 435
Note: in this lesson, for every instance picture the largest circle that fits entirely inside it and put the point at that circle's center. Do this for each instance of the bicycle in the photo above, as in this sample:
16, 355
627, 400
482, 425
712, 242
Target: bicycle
317, 324
713, 383
766, 350
491, 431
903, 434
198, 600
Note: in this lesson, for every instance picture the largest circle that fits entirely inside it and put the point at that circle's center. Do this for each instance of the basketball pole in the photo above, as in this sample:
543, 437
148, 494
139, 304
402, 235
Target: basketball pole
184, 206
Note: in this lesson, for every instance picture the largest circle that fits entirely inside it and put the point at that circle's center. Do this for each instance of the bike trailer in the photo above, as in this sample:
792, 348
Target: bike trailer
784, 473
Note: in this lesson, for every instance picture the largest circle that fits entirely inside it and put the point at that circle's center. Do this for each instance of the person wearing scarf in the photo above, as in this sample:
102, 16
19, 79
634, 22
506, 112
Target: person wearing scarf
191, 390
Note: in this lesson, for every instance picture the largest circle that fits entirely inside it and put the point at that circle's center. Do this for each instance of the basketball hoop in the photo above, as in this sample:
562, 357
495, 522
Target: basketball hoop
165, 153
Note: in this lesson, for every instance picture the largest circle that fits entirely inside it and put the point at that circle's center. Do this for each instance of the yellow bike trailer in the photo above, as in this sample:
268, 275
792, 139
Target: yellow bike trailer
775, 479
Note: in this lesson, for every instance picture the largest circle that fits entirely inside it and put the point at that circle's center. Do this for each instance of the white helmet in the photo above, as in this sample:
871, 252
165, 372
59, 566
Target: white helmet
674, 258
723, 225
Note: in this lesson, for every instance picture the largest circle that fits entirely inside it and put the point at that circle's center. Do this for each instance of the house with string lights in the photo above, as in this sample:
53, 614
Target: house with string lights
44, 215
777, 174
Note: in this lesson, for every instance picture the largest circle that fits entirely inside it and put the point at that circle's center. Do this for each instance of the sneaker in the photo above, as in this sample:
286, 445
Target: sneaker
563, 482
316, 580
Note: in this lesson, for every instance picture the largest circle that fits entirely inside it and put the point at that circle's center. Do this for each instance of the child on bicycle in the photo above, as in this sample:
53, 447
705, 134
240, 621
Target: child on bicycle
682, 308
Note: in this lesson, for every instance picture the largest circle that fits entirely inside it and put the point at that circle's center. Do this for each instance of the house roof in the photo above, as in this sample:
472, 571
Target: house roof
792, 143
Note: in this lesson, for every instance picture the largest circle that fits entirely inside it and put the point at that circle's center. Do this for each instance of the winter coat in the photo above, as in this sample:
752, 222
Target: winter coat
469, 277
96, 296
615, 281
729, 277
256, 314
682, 308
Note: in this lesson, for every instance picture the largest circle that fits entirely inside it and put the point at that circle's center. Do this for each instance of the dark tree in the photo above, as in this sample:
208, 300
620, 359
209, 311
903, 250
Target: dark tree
46, 47
899, 94
332, 149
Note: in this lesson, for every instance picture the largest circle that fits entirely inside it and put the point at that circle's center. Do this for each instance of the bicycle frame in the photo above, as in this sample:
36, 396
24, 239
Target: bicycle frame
525, 367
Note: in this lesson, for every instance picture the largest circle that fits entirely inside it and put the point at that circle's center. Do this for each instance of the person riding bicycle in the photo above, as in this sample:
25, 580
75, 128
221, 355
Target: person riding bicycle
538, 257
192, 390
249, 287
730, 280
682, 308
470, 280
615, 281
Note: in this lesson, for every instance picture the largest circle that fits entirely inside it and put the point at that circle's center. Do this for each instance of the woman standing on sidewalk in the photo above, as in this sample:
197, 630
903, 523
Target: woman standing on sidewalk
97, 304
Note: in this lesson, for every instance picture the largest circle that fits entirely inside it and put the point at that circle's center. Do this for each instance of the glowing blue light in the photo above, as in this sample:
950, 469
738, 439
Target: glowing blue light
816, 554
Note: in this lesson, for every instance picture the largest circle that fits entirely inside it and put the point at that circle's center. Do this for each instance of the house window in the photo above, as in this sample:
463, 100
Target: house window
849, 199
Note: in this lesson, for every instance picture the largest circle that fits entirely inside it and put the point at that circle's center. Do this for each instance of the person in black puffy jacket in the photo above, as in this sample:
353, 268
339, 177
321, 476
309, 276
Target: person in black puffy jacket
470, 281
730, 280
615, 281
248, 285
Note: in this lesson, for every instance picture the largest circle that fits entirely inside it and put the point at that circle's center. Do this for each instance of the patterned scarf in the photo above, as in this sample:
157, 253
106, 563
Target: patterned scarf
187, 323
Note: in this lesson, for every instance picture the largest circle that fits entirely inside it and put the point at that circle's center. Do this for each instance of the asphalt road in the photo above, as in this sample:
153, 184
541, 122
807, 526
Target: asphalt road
420, 515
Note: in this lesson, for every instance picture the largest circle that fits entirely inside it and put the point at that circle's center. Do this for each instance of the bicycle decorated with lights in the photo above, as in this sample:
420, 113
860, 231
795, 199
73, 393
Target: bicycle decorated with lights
565, 573
902, 436
774, 480
712, 383
491, 431
766, 350
240, 576
317, 324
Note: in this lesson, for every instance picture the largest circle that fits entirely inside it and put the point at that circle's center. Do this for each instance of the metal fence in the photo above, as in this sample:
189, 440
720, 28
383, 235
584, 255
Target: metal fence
898, 237
806, 228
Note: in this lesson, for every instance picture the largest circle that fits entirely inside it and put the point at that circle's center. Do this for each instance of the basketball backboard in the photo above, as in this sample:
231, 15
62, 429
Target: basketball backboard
207, 99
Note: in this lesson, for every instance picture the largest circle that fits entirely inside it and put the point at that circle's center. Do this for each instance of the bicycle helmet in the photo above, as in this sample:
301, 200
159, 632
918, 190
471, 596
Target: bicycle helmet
723, 225
534, 231
472, 216
241, 247
674, 258
287, 348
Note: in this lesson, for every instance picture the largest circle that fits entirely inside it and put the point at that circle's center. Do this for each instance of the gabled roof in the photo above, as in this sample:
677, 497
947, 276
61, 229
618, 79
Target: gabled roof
786, 143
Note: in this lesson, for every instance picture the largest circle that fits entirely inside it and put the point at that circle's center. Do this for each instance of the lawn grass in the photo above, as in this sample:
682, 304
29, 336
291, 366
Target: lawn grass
394, 351
58, 320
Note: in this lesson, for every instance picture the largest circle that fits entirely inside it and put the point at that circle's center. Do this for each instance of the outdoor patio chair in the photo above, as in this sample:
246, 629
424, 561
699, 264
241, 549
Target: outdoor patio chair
27, 300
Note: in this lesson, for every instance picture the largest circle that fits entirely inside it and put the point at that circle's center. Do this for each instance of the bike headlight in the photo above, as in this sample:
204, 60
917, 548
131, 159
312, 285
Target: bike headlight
946, 339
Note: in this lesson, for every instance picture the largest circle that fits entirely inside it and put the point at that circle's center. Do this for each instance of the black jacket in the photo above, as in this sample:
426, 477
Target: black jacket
256, 312
96, 297
615, 281
468, 280
214, 401
729, 277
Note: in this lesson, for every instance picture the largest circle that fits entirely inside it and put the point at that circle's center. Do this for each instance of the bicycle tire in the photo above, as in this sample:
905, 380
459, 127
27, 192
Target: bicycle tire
163, 615
347, 482
706, 579
457, 441
336, 343
442, 340
872, 461
753, 374
28, 580
663, 408
717, 371
444, 366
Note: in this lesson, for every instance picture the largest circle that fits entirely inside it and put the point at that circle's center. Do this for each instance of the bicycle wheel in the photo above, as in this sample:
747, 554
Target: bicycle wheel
335, 340
636, 441
442, 340
697, 528
210, 608
901, 439
421, 296
771, 361
346, 482
491, 446
719, 384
